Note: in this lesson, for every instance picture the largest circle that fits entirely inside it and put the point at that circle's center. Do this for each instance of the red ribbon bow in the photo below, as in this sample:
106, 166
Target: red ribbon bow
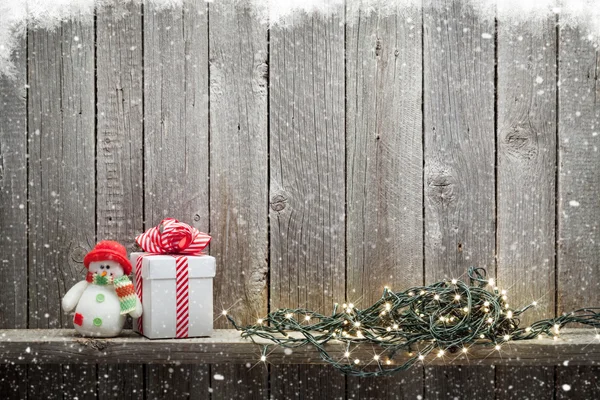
173, 237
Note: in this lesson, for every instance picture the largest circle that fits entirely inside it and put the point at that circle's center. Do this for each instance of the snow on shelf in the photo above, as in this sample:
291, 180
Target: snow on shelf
58, 346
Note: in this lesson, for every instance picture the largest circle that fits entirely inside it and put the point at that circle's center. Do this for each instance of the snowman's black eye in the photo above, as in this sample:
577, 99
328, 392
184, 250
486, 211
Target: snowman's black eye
108, 267
102, 267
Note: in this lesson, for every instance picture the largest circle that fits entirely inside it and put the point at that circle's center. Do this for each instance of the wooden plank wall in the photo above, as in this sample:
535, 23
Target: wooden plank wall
327, 158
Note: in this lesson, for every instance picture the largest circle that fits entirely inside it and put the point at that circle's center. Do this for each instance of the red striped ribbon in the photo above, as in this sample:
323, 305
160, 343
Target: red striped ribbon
180, 240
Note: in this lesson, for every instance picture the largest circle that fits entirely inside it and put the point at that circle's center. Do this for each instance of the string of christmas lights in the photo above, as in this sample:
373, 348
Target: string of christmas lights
443, 317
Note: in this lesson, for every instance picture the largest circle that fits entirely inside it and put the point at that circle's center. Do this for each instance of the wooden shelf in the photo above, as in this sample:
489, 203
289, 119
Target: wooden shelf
57, 346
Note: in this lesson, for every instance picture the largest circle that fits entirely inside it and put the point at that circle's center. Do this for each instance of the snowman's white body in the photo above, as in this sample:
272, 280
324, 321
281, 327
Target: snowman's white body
100, 308
97, 307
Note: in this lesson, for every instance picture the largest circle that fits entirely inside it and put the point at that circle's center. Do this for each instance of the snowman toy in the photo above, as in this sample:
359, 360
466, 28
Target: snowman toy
103, 300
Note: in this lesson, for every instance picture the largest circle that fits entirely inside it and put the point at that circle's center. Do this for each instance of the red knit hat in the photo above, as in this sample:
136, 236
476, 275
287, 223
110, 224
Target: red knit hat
108, 250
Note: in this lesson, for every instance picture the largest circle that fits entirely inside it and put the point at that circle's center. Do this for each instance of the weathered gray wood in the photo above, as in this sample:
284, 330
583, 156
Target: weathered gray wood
176, 124
527, 164
119, 188
51, 346
239, 381
62, 381
121, 381
524, 382
307, 382
459, 155
526, 148
239, 171
578, 264
384, 172
13, 213
62, 199
61, 193
238, 126
120, 123
307, 165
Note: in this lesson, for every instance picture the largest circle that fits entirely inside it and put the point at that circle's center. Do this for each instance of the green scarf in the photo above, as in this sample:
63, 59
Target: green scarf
123, 287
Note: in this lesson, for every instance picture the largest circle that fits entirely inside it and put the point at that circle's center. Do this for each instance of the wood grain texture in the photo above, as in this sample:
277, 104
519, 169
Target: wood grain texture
459, 153
578, 264
238, 126
384, 153
176, 144
384, 170
13, 213
119, 159
120, 123
176, 382
176, 114
225, 346
238, 177
527, 164
62, 147
307, 167
526, 188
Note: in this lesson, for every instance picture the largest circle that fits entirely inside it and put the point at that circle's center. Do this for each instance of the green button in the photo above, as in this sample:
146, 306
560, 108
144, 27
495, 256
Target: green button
97, 321
99, 297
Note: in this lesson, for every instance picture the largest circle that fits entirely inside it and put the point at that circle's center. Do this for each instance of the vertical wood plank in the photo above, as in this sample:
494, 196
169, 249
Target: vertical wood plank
62, 184
238, 126
384, 169
176, 134
307, 382
578, 265
526, 146
164, 382
119, 189
238, 178
307, 187
13, 213
459, 383
459, 160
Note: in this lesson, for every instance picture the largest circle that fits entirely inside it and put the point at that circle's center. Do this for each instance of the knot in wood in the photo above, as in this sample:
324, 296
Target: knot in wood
521, 143
441, 186
95, 344
278, 203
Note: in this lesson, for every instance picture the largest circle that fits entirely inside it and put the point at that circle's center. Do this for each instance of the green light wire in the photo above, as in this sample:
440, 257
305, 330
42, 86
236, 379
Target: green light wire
444, 316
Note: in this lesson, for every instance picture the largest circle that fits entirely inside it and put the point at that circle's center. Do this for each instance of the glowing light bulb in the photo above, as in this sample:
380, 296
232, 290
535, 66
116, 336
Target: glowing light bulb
422, 292
509, 314
556, 328
466, 309
598, 336
395, 326
307, 318
504, 297
359, 334
421, 357
263, 358
357, 324
465, 350
224, 312
388, 362
482, 336
486, 310
457, 297
454, 281
486, 303
497, 347
350, 306
491, 282
376, 357
259, 321
357, 361
388, 306
535, 303
490, 320
506, 338
440, 353
344, 305
411, 294
503, 292
347, 354
288, 316
528, 329
436, 297
388, 329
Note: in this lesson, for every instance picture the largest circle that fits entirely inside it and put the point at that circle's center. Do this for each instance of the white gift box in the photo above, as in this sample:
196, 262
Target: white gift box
158, 281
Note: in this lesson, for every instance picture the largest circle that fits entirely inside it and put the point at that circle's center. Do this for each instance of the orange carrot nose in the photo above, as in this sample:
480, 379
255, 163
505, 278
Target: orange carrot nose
103, 273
